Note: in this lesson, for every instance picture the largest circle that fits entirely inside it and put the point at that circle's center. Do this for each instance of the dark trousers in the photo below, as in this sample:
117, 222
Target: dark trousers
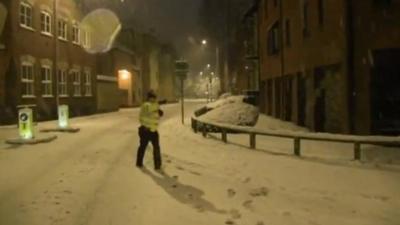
147, 136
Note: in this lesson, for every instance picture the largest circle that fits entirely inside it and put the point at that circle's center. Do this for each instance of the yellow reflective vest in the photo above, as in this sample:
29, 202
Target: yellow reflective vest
149, 116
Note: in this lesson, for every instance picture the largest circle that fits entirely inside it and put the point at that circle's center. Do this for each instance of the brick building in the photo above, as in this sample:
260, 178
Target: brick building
331, 65
29, 75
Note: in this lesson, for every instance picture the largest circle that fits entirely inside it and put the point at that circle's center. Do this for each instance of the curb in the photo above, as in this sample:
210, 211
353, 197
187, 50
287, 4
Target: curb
32, 141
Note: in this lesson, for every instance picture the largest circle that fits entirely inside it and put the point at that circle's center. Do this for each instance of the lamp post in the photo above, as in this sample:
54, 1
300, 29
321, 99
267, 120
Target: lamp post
217, 70
55, 56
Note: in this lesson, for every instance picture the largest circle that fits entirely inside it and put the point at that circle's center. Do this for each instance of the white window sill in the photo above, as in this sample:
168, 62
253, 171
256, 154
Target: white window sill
77, 96
47, 34
76, 43
63, 96
27, 28
62, 39
89, 96
2, 47
47, 96
28, 96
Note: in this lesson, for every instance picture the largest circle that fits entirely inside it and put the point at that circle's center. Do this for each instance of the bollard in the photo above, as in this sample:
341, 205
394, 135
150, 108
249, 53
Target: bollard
25, 124
63, 116
204, 130
253, 141
357, 151
224, 136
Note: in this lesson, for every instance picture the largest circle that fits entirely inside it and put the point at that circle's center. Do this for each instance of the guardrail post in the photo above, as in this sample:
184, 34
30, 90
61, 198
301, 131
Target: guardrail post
357, 151
297, 149
204, 130
224, 135
194, 125
252, 140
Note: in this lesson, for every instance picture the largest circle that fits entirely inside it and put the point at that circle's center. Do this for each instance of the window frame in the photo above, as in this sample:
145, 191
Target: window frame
273, 39
27, 79
76, 83
62, 83
75, 33
62, 31
25, 20
85, 39
47, 81
43, 23
88, 83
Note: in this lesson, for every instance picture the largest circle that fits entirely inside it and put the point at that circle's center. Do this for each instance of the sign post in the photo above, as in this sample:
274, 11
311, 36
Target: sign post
25, 122
181, 70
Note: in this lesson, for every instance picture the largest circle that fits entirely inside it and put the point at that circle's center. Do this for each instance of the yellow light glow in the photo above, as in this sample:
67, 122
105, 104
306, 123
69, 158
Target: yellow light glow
124, 74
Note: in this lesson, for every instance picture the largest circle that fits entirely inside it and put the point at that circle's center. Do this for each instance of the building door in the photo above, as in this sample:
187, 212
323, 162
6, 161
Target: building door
385, 92
301, 101
288, 98
319, 111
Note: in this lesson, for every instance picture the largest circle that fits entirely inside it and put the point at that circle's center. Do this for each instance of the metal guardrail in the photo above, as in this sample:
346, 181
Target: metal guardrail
203, 126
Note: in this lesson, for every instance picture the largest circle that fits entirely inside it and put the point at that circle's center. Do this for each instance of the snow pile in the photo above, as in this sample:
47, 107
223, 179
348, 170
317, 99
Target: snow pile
226, 100
232, 110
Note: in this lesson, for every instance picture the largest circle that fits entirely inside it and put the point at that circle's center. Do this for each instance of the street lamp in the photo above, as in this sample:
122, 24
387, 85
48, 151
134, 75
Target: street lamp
204, 42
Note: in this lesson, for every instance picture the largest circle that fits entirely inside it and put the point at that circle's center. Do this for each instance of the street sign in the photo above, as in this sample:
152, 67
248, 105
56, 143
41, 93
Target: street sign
25, 122
63, 116
181, 69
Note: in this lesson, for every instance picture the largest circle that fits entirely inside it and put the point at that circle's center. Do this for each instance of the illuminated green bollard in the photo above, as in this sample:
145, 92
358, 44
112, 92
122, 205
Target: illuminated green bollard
63, 116
25, 122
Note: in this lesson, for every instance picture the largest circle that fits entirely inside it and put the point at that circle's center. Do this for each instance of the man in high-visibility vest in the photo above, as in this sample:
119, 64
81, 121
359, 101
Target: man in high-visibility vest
149, 117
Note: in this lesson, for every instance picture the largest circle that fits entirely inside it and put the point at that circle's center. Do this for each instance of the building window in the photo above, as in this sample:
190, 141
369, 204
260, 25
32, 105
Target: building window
288, 33
321, 13
77, 83
273, 39
306, 28
266, 8
27, 80
382, 3
88, 83
45, 23
85, 38
276, 3
62, 29
25, 15
47, 81
62, 83
75, 34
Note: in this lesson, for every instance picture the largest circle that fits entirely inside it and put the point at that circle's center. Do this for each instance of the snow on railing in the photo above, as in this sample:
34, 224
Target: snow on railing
205, 127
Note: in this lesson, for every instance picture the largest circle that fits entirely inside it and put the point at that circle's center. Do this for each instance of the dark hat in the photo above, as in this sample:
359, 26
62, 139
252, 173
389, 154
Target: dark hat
151, 94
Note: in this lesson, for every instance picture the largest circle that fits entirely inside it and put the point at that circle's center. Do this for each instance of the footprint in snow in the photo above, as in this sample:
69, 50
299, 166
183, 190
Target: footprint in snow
230, 222
247, 180
231, 193
248, 204
258, 192
180, 168
235, 214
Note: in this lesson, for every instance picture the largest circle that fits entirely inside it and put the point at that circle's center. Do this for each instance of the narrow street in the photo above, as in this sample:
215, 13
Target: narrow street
90, 178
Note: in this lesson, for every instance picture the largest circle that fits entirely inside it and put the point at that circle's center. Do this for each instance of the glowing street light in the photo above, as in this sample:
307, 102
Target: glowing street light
201, 73
208, 65
204, 42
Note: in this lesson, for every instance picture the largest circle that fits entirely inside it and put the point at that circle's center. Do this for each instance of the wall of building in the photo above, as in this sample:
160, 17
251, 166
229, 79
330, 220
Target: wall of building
31, 43
381, 23
311, 63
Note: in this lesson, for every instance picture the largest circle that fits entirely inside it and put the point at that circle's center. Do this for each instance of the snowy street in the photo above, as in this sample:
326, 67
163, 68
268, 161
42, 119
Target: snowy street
89, 178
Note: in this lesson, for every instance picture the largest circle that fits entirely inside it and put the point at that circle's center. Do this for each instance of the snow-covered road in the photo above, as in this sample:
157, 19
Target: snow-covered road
89, 178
